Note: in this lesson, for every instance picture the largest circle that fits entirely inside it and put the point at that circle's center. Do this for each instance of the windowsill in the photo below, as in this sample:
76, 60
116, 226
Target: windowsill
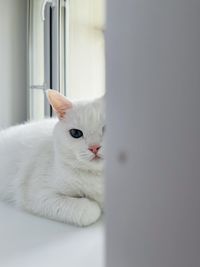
27, 240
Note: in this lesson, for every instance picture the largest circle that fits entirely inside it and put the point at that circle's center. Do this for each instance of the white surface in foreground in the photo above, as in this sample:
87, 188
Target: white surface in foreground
27, 240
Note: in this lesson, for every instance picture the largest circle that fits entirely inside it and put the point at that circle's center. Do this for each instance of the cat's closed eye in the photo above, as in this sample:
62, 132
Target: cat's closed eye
76, 133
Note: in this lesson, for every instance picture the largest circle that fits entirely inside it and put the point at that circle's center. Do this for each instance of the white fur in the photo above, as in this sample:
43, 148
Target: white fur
49, 173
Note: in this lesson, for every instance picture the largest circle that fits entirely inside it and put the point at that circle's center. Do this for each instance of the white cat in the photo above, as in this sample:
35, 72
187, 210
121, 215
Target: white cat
54, 168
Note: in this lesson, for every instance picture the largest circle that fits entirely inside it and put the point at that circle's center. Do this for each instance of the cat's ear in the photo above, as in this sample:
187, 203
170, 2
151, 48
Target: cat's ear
59, 103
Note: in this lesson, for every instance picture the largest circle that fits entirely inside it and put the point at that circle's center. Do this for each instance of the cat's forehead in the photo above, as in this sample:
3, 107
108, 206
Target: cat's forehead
89, 116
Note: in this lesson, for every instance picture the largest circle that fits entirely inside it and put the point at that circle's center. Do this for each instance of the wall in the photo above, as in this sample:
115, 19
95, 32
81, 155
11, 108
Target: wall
12, 62
153, 133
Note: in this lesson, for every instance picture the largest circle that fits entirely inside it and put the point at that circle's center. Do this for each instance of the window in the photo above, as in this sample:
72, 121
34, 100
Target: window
66, 51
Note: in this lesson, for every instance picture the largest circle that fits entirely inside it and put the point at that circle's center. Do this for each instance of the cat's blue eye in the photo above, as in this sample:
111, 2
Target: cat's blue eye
76, 133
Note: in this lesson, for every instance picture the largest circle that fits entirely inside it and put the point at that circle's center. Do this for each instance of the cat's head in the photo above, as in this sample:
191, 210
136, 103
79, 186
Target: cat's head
79, 132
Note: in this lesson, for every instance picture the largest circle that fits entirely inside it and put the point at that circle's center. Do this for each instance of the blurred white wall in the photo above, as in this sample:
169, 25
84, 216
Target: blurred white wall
153, 133
12, 62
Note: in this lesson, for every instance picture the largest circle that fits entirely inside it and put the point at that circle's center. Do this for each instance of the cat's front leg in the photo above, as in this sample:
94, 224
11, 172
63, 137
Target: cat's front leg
78, 211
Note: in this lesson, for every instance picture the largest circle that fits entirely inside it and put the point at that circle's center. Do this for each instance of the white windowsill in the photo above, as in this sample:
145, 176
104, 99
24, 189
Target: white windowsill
27, 240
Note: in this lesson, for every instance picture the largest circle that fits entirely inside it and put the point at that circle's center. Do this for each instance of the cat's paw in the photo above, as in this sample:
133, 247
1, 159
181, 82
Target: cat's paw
89, 213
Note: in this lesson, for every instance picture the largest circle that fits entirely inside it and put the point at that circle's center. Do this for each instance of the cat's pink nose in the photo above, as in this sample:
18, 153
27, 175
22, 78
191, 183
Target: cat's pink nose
94, 148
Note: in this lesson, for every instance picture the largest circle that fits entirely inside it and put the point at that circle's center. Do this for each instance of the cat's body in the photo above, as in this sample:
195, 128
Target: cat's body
46, 171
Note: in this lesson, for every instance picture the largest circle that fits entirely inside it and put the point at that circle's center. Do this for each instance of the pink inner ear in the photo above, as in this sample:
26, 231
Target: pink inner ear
59, 103
61, 111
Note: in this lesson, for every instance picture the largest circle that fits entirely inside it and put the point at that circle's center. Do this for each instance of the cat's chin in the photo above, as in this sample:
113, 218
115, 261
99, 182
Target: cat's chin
96, 159
93, 165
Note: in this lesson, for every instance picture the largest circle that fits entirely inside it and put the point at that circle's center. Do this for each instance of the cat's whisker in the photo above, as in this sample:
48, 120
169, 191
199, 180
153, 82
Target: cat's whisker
85, 155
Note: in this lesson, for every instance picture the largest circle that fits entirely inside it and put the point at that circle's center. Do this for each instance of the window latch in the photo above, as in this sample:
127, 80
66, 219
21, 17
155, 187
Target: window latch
40, 87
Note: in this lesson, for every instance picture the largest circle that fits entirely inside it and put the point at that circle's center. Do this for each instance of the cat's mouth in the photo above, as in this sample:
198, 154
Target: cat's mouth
96, 158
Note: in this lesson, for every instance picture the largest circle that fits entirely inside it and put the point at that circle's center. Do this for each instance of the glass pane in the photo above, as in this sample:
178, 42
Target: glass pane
86, 55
